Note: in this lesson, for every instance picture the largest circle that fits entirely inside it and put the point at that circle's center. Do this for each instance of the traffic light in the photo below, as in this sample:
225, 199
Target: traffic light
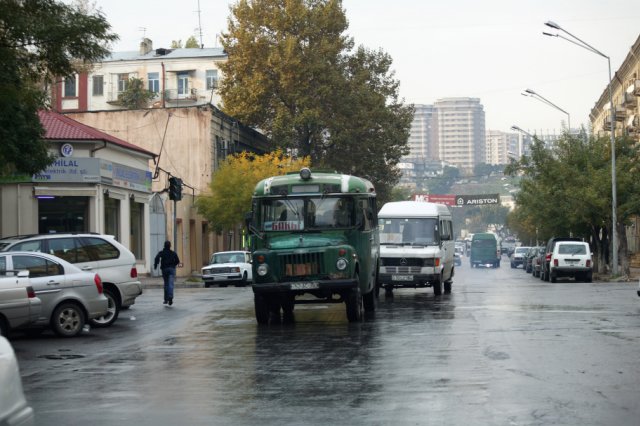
175, 188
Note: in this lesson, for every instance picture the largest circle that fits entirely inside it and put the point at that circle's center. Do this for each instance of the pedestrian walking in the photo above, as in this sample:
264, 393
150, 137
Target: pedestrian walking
168, 260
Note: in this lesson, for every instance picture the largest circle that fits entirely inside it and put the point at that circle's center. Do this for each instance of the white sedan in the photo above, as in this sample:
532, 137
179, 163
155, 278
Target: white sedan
228, 267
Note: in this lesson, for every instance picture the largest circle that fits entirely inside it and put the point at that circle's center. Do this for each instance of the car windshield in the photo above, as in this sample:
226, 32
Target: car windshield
420, 231
227, 258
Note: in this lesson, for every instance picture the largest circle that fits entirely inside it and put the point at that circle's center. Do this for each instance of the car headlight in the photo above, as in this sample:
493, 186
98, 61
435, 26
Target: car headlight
342, 264
263, 269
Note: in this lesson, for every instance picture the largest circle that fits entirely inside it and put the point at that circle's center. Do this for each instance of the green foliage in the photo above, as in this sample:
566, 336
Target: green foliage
442, 184
176, 44
135, 96
234, 182
191, 43
40, 40
291, 73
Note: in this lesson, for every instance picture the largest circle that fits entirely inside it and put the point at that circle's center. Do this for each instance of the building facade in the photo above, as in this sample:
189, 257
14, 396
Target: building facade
421, 138
98, 183
178, 77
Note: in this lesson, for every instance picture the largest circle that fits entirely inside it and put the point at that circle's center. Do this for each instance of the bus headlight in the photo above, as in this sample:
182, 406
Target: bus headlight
342, 264
263, 269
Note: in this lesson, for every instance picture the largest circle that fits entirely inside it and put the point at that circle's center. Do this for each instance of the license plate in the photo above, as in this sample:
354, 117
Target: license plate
401, 277
305, 286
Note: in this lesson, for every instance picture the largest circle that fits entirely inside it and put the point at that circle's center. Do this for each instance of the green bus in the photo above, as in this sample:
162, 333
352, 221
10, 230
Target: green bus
314, 239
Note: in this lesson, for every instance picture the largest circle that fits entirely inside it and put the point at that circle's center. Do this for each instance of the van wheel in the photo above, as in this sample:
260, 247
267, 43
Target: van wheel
113, 310
437, 287
369, 301
67, 320
447, 287
4, 327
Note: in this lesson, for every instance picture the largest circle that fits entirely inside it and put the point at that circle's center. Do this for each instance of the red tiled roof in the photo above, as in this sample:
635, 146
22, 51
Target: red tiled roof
61, 128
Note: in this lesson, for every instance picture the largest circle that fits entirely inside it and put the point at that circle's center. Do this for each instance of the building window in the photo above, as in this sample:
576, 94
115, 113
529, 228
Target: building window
212, 79
112, 217
123, 82
154, 82
137, 229
70, 87
98, 85
183, 84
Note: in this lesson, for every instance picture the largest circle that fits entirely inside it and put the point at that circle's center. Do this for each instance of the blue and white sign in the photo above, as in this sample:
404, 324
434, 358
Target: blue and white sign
66, 150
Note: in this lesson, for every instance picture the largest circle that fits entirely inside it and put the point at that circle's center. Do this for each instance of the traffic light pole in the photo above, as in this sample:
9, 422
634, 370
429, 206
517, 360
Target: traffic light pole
175, 226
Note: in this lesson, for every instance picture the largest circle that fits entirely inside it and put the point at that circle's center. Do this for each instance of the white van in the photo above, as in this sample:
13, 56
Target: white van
417, 246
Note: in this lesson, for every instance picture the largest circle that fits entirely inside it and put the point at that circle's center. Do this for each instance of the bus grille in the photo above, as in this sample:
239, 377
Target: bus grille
300, 265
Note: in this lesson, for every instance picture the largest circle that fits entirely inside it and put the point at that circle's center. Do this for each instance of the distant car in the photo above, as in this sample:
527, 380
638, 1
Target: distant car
14, 409
517, 258
70, 297
571, 259
19, 305
228, 267
536, 262
98, 253
457, 259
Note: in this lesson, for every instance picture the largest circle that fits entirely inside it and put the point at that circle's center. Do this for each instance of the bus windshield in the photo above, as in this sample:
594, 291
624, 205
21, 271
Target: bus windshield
306, 213
421, 231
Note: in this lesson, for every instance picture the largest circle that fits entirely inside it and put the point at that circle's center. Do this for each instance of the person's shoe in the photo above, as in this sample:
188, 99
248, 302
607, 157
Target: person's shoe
164, 303
170, 302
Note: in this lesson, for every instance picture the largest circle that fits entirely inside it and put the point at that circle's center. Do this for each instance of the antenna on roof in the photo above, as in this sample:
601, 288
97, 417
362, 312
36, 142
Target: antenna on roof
200, 26
144, 31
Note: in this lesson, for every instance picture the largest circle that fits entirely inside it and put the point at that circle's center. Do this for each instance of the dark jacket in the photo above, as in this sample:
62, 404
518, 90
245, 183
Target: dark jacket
167, 258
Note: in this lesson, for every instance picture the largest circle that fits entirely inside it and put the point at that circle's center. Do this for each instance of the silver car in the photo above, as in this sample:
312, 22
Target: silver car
19, 305
70, 297
14, 409
102, 254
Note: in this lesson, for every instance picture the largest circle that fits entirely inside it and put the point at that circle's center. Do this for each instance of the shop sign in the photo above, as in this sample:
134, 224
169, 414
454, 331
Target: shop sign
67, 169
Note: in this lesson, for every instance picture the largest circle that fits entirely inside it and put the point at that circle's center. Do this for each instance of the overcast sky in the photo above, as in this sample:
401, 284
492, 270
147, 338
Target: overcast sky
489, 49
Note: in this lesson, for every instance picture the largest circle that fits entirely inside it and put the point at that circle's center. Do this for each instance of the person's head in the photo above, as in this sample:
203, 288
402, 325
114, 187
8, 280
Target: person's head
167, 244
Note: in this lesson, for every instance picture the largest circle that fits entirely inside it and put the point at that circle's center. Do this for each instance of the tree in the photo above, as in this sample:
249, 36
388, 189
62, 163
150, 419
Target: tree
290, 72
442, 184
176, 44
233, 183
192, 43
40, 41
135, 96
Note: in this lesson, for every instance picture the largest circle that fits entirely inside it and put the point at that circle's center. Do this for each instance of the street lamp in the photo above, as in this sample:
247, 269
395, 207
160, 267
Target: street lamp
575, 40
534, 95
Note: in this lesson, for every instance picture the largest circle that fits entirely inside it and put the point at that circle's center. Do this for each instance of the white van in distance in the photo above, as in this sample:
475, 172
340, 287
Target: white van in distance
416, 246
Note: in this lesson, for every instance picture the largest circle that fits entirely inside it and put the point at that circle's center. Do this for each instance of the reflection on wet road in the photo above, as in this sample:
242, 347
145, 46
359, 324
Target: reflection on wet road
503, 348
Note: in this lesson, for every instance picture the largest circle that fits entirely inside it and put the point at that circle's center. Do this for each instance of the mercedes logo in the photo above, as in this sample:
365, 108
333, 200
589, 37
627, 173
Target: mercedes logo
403, 261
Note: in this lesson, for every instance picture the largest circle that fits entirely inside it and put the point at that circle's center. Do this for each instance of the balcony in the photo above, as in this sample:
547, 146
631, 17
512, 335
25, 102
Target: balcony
629, 101
634, 88
172, 95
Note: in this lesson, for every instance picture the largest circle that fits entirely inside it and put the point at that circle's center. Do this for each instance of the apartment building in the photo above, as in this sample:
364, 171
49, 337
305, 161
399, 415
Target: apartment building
501, 146
178, 77
625, 87
421, 138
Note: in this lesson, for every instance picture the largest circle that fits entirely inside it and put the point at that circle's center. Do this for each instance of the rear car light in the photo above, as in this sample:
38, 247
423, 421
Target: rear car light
547, 257
437, 259
30, 292
555, 262
588, 263
98, 281
134, 272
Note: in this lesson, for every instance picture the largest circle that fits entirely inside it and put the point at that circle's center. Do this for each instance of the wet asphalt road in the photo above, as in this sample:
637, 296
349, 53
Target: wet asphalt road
503, 349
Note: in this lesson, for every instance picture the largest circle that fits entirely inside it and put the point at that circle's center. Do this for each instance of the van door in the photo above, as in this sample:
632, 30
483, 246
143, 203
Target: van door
447, 245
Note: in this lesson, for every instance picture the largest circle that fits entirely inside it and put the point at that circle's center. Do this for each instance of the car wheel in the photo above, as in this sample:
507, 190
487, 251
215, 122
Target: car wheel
388, 292
447, 287
4, 327
261, 308
67, 320
113, 310
206, 285
588, 278
553, 277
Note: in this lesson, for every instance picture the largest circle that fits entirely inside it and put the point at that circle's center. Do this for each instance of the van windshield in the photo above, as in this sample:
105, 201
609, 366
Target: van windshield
418, 231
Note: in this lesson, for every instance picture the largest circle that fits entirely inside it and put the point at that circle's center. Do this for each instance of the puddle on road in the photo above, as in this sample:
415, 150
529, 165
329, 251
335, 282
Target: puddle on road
536, 308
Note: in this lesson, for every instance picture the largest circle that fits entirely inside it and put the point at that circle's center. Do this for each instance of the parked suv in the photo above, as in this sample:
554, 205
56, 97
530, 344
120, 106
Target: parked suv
544, 270
115, 264
228, 267
518, 256
571, 259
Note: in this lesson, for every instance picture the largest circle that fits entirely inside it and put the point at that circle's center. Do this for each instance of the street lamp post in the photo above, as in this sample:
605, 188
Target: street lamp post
614, 231
534, 95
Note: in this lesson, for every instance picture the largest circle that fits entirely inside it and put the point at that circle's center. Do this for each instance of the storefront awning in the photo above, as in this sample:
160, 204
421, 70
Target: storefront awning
64, 192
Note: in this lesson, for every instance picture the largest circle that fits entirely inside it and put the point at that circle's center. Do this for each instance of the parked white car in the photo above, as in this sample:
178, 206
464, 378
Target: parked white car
115, 264
228, 267
70, 297
14, 409
19, 305
518, 256
571, 259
